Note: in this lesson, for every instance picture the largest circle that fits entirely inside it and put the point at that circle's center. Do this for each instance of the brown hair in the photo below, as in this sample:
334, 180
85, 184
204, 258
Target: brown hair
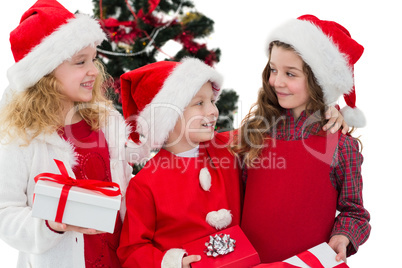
38, 109
266, 112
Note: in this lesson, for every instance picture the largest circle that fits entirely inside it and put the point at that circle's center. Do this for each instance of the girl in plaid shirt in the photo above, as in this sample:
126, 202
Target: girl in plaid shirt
304, 186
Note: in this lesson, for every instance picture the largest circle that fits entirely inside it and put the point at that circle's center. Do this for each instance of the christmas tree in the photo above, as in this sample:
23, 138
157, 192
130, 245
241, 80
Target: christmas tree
138, 30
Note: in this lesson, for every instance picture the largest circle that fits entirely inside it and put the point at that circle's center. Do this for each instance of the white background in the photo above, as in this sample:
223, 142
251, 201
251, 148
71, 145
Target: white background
241, 28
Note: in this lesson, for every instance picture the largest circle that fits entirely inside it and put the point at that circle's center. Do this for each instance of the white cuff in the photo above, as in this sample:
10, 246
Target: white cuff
173, 258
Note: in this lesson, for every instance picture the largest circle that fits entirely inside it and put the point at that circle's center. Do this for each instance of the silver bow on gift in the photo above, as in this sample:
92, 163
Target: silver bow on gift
219, 245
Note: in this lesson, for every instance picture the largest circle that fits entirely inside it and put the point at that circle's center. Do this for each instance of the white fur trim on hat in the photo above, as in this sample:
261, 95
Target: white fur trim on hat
205, 179
353, 116
160, 116
329, 65
62, 44
219, 219
173, 258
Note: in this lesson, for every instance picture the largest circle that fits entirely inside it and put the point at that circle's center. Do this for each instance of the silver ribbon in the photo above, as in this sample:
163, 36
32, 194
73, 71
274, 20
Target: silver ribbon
220, 244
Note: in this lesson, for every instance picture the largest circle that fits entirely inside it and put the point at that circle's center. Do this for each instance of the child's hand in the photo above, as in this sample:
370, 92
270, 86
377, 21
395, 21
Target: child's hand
190, 259
339, 243
335, 121
62, 227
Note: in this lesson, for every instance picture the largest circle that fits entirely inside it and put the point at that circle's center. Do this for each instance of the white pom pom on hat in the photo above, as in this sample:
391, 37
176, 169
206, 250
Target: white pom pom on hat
328, 48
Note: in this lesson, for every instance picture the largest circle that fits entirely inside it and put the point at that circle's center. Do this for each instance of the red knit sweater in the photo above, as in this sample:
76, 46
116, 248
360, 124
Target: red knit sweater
93, 164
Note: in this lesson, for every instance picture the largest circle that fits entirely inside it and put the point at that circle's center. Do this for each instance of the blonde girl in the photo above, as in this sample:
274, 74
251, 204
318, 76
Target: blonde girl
54, 108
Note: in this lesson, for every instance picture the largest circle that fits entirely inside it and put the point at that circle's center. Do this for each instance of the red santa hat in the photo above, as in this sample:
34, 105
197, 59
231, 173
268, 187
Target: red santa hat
154, 97
47, 35
328, 48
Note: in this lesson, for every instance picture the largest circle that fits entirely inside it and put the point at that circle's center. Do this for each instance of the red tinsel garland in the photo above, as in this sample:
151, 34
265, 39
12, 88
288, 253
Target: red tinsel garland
128, 31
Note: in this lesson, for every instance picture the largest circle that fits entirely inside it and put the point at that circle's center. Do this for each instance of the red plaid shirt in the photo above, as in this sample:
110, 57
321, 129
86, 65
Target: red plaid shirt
353, 219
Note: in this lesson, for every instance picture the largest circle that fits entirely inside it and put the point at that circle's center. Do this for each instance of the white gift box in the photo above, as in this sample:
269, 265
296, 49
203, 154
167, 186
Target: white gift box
84, 208
324, 253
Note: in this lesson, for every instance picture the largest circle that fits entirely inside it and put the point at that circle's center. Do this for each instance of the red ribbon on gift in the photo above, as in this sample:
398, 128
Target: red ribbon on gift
68, 182
307, 257
310, 259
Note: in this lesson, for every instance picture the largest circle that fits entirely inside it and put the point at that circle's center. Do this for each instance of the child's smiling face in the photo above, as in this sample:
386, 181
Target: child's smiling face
77, 76
197, 123
288, 80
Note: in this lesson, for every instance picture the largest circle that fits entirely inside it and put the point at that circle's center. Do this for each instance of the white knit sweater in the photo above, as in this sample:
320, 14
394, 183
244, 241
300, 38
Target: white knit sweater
39, 246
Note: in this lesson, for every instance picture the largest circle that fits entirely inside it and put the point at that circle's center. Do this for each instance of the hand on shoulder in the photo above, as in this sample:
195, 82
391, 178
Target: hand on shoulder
335, 121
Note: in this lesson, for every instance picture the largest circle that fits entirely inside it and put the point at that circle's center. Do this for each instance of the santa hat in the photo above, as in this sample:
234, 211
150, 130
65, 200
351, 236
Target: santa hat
329, 50
154, 97
47, 35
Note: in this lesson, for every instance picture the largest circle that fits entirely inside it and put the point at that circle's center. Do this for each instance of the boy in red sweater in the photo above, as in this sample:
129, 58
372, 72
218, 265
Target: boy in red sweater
190, 188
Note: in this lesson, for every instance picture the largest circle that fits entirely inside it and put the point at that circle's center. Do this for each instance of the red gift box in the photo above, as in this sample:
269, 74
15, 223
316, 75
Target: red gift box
244, 254
321, 256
